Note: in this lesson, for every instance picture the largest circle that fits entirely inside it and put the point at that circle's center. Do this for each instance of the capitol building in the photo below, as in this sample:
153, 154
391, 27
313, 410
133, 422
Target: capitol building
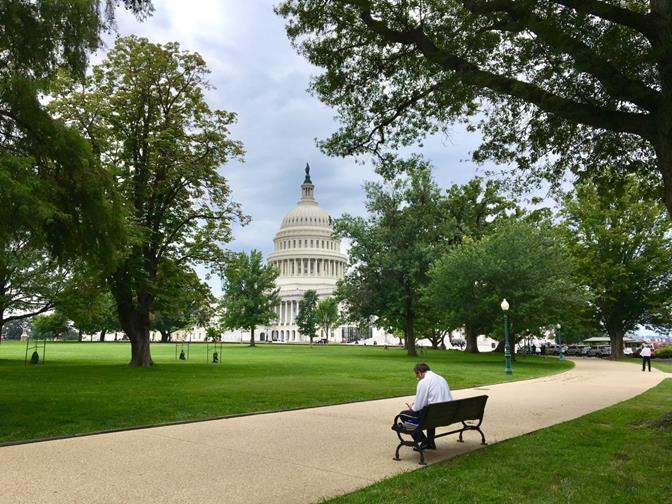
308, 257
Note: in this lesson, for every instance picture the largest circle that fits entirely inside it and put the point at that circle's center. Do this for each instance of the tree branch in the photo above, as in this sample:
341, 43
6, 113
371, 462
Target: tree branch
585, 58
471, 74
615, 14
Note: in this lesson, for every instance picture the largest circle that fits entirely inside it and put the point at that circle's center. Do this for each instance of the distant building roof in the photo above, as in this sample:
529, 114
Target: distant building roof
605, 339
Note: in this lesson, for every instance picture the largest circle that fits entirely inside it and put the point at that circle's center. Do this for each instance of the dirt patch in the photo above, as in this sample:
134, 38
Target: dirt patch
664, 422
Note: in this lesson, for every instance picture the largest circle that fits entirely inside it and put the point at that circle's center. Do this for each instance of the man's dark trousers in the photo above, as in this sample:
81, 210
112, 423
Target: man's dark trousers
418, 435
645, 361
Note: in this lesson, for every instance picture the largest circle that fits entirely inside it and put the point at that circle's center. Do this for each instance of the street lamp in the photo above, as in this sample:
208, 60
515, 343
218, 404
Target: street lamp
507, 350
559, 338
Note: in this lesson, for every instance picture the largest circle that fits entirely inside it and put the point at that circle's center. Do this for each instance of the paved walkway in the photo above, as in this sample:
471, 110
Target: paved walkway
291, 457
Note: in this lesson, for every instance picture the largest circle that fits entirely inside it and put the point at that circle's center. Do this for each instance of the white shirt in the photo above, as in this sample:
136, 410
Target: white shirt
431, 389
646, 352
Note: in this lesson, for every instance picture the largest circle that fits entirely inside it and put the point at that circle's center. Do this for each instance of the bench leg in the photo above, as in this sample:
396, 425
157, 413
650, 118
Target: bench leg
482, 437
422, 455
396, 454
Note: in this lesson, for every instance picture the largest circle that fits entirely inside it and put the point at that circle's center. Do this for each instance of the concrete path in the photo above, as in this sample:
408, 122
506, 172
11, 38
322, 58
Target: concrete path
292, 457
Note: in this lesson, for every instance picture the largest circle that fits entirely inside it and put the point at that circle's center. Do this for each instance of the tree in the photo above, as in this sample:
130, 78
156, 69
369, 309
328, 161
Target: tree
327, 314
54, 325
621, 242
88, 303
30, 282
50, 184
521, 261
306, 319
552, 84
392, 249
250, 295
12, 330
477, 207
181, 300
144, 114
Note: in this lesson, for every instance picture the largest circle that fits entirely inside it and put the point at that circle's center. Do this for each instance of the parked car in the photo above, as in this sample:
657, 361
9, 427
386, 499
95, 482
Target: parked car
320, 341
576, 349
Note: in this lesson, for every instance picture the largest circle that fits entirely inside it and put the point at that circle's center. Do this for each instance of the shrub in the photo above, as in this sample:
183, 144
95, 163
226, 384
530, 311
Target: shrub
664, 353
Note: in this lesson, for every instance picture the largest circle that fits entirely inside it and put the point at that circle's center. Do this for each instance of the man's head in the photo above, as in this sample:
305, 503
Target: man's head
420, 370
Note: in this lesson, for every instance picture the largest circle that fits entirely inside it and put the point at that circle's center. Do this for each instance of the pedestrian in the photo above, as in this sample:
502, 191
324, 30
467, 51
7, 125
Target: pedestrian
432, 388
645, 354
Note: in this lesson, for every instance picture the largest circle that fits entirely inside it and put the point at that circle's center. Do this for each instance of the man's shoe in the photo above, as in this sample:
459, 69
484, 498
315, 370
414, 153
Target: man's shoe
425, 447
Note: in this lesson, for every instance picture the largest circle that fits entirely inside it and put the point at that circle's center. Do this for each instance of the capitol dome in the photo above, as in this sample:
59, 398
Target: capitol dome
308, 257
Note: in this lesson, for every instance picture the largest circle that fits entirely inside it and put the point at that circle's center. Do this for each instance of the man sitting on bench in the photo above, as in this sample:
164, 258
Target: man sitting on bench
431, 389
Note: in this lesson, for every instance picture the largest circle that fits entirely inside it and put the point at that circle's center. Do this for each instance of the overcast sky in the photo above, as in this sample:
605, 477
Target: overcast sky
260, 77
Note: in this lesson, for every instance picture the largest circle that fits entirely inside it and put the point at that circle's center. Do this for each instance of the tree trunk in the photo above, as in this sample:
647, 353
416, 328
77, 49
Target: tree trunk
165, 336
134, 320
616, 341
472, 339
252, 337
80, 335
102, 335
409, 336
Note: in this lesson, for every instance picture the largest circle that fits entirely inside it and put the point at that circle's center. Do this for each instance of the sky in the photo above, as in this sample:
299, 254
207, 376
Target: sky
259, 76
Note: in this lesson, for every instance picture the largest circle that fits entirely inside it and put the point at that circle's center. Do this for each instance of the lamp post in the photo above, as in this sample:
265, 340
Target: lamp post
507, 350
559, 338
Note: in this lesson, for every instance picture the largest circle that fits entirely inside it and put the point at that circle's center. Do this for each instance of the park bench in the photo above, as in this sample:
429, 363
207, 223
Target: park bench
468, 412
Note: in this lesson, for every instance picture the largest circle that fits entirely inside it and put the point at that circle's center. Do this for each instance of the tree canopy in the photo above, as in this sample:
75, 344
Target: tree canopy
181, 300
327, 315
144, 114
621, 242
392, 249
50, 184
306, 319
30, 281
553, 85
250, 295
524, 262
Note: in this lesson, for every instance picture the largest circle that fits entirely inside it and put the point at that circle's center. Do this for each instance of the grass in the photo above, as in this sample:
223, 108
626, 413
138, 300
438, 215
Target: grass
87, 387
618, 455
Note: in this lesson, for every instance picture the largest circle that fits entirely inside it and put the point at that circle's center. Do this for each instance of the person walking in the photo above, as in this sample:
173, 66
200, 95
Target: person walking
432, 388
645, 354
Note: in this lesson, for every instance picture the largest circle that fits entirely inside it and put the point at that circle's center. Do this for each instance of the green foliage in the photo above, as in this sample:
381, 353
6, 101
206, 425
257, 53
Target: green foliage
30, 282
664, 352
519, 261
307, 319
50, 183
478, 207
392, 249
621, 242
552, 85
50, 326
213, 334
250, 295
327, 315
144, 114
181, 299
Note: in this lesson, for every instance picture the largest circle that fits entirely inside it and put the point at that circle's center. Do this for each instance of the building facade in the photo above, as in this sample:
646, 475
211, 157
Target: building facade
308, 257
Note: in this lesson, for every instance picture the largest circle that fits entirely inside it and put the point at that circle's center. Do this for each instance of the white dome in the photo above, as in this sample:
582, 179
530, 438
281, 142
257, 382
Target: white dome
307, 213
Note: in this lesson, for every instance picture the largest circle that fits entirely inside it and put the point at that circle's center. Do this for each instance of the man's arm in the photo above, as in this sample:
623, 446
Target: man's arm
421, 396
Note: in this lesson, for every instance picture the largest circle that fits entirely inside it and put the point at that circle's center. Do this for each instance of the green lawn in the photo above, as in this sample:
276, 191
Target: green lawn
86, 387
619, 455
